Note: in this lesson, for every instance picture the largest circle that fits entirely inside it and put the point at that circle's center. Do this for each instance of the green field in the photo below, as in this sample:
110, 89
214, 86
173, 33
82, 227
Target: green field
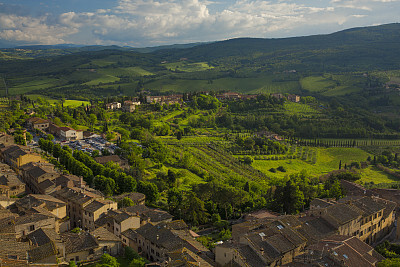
186, 66
316, 83
130, 71
103, 79
327, 160
292, 108
68, 102
333, 85
372, 174
35, 84
262, 84
35, 97
75, 103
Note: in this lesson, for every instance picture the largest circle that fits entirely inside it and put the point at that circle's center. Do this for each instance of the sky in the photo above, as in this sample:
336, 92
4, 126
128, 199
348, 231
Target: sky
143, 23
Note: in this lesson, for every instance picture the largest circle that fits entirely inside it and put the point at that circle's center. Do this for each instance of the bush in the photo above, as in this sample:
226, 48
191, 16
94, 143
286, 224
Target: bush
272, 170
130, 254
281, 169
137, 263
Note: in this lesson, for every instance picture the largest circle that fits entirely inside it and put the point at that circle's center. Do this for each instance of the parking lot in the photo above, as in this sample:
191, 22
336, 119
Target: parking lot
85, 145
92, 144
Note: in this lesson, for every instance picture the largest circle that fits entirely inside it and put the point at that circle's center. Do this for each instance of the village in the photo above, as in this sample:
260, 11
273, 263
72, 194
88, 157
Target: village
51, 218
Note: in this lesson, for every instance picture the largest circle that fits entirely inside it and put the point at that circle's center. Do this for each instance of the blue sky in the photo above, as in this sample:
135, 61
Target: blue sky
142, 23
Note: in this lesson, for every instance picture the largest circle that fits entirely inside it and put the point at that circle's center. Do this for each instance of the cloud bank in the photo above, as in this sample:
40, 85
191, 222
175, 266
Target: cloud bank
155, 22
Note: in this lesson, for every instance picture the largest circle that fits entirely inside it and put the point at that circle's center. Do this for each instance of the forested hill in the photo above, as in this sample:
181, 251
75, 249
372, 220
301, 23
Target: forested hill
366, 36
358, 48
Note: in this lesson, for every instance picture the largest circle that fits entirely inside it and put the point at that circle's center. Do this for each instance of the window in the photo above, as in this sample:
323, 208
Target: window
32, 227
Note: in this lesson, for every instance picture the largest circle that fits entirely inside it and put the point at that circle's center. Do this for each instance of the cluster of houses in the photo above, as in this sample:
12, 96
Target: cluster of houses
48, 217
40, 208
130, 106
330, 233
290, 97
65, 133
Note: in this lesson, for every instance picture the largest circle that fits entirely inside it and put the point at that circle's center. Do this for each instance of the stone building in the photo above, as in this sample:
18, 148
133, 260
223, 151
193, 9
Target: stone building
17, 156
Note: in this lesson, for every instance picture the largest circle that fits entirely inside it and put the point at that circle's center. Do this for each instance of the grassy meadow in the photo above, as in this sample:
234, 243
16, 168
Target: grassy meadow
327, 159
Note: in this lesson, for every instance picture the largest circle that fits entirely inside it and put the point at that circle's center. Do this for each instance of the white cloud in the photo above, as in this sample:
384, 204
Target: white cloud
153, 22
32, 30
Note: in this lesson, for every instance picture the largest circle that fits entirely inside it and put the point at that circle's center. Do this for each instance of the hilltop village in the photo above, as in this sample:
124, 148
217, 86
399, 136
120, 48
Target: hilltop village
69, 196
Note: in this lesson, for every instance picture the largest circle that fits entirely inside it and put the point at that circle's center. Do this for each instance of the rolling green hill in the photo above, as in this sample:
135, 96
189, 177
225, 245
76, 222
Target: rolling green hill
325, 66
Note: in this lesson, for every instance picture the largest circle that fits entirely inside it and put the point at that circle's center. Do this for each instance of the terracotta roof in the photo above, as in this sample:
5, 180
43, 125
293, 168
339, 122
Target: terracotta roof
250, 256
348, 250
369, 205
7, 225
170, 240
48, 202
43, 252
14, 151
130, 233
45, 185
321, 203
43, 236
177, 225
36, 120
65, 178
104, 220
104, 235
185, 257
65, 129
76, 195
122, 217
96, 205
30, 165
30, 218
10, 180
315, 229
11, 249
341, 214
76, 242
37, 171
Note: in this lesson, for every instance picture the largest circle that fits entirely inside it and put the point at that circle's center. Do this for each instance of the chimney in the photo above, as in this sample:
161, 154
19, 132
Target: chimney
80, 181
262, 251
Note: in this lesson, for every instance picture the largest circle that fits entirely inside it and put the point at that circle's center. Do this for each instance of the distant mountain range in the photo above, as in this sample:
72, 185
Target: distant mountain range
78, 48
357, 49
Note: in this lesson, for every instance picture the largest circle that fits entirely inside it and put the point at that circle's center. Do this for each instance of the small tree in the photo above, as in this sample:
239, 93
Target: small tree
137, 263
29, 137
130, 254
107, 261
179, 135
125, 202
